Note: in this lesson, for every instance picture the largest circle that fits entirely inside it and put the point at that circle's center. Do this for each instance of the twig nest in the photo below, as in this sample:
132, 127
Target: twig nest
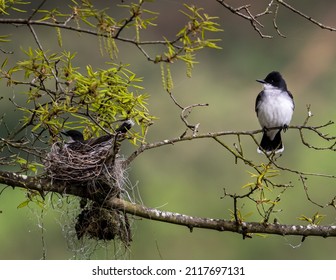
80, 162
96, 166
102, 224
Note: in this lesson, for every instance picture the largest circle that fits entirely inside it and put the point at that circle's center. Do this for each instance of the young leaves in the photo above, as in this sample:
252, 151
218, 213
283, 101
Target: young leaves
93, 99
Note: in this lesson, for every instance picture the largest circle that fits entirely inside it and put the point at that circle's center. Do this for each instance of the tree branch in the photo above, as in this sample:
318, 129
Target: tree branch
309, 18
252, 18
137, 43
43, 185
214, 135
221, 224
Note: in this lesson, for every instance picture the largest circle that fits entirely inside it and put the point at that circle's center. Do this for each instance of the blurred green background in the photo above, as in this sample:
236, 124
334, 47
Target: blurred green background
189, 177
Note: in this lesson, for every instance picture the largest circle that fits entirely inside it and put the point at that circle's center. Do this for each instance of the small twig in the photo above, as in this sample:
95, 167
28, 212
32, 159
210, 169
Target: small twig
285, 4
58, 84
239, 148
256, 24
253, 19
236, 155
316, 130
270, 210
95, 121
36, 10
185, 112
275, 25
6, 52
304, 173
129, 20
333, 203
249, 17
305, 187
267, 10
174, 100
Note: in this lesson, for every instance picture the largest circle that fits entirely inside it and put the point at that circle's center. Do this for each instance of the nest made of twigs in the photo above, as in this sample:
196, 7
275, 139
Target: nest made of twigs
102, 224
80, 162
99, 169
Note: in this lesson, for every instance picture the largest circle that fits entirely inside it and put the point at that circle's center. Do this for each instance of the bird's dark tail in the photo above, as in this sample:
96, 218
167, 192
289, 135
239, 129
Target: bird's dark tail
271, 146
125, 126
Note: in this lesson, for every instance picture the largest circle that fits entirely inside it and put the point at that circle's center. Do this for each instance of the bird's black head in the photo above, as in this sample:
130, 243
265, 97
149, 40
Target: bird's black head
75, 135
274, 79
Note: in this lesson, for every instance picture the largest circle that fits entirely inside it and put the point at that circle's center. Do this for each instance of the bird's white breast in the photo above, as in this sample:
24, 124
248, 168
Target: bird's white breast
275, 109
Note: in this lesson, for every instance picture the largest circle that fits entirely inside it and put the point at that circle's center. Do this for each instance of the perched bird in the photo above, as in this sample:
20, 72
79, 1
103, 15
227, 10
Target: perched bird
274, 107
76, 138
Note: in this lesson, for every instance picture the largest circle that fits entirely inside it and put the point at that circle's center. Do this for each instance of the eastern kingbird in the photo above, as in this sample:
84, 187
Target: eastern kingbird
274, 107
77, 139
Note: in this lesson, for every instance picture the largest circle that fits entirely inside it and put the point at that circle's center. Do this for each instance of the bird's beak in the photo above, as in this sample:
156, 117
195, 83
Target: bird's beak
261, 81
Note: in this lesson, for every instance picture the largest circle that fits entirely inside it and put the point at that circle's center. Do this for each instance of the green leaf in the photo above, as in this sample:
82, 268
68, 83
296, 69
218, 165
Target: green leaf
23, 204
4, 38
4, 63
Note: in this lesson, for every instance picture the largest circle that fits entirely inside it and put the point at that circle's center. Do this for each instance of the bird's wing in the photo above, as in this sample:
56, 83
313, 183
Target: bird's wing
95, 141
291, 96
258, 100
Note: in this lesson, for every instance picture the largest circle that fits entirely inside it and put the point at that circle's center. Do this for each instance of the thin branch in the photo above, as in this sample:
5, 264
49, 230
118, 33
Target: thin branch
137, 43
305, 187
37, 9
174, 100
275, 25
250, 17
58, 84
185, 112
172, 141
267, 10
134, 14
320, 134
302, 173
309, 18
6, 52
250, 133
236, 155
15, 21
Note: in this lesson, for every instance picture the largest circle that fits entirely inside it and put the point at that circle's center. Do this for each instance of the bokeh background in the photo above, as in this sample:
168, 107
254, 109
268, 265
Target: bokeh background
189, 177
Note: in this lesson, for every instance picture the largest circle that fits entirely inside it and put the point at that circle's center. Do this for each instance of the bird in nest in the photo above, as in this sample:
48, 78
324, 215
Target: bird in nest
76, 139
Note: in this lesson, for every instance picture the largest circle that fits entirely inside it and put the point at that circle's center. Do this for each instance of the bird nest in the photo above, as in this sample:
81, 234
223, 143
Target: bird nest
79, 162
102, 224
98, 170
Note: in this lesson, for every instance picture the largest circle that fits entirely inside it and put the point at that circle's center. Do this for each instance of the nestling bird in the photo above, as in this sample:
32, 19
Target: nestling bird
274, 107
